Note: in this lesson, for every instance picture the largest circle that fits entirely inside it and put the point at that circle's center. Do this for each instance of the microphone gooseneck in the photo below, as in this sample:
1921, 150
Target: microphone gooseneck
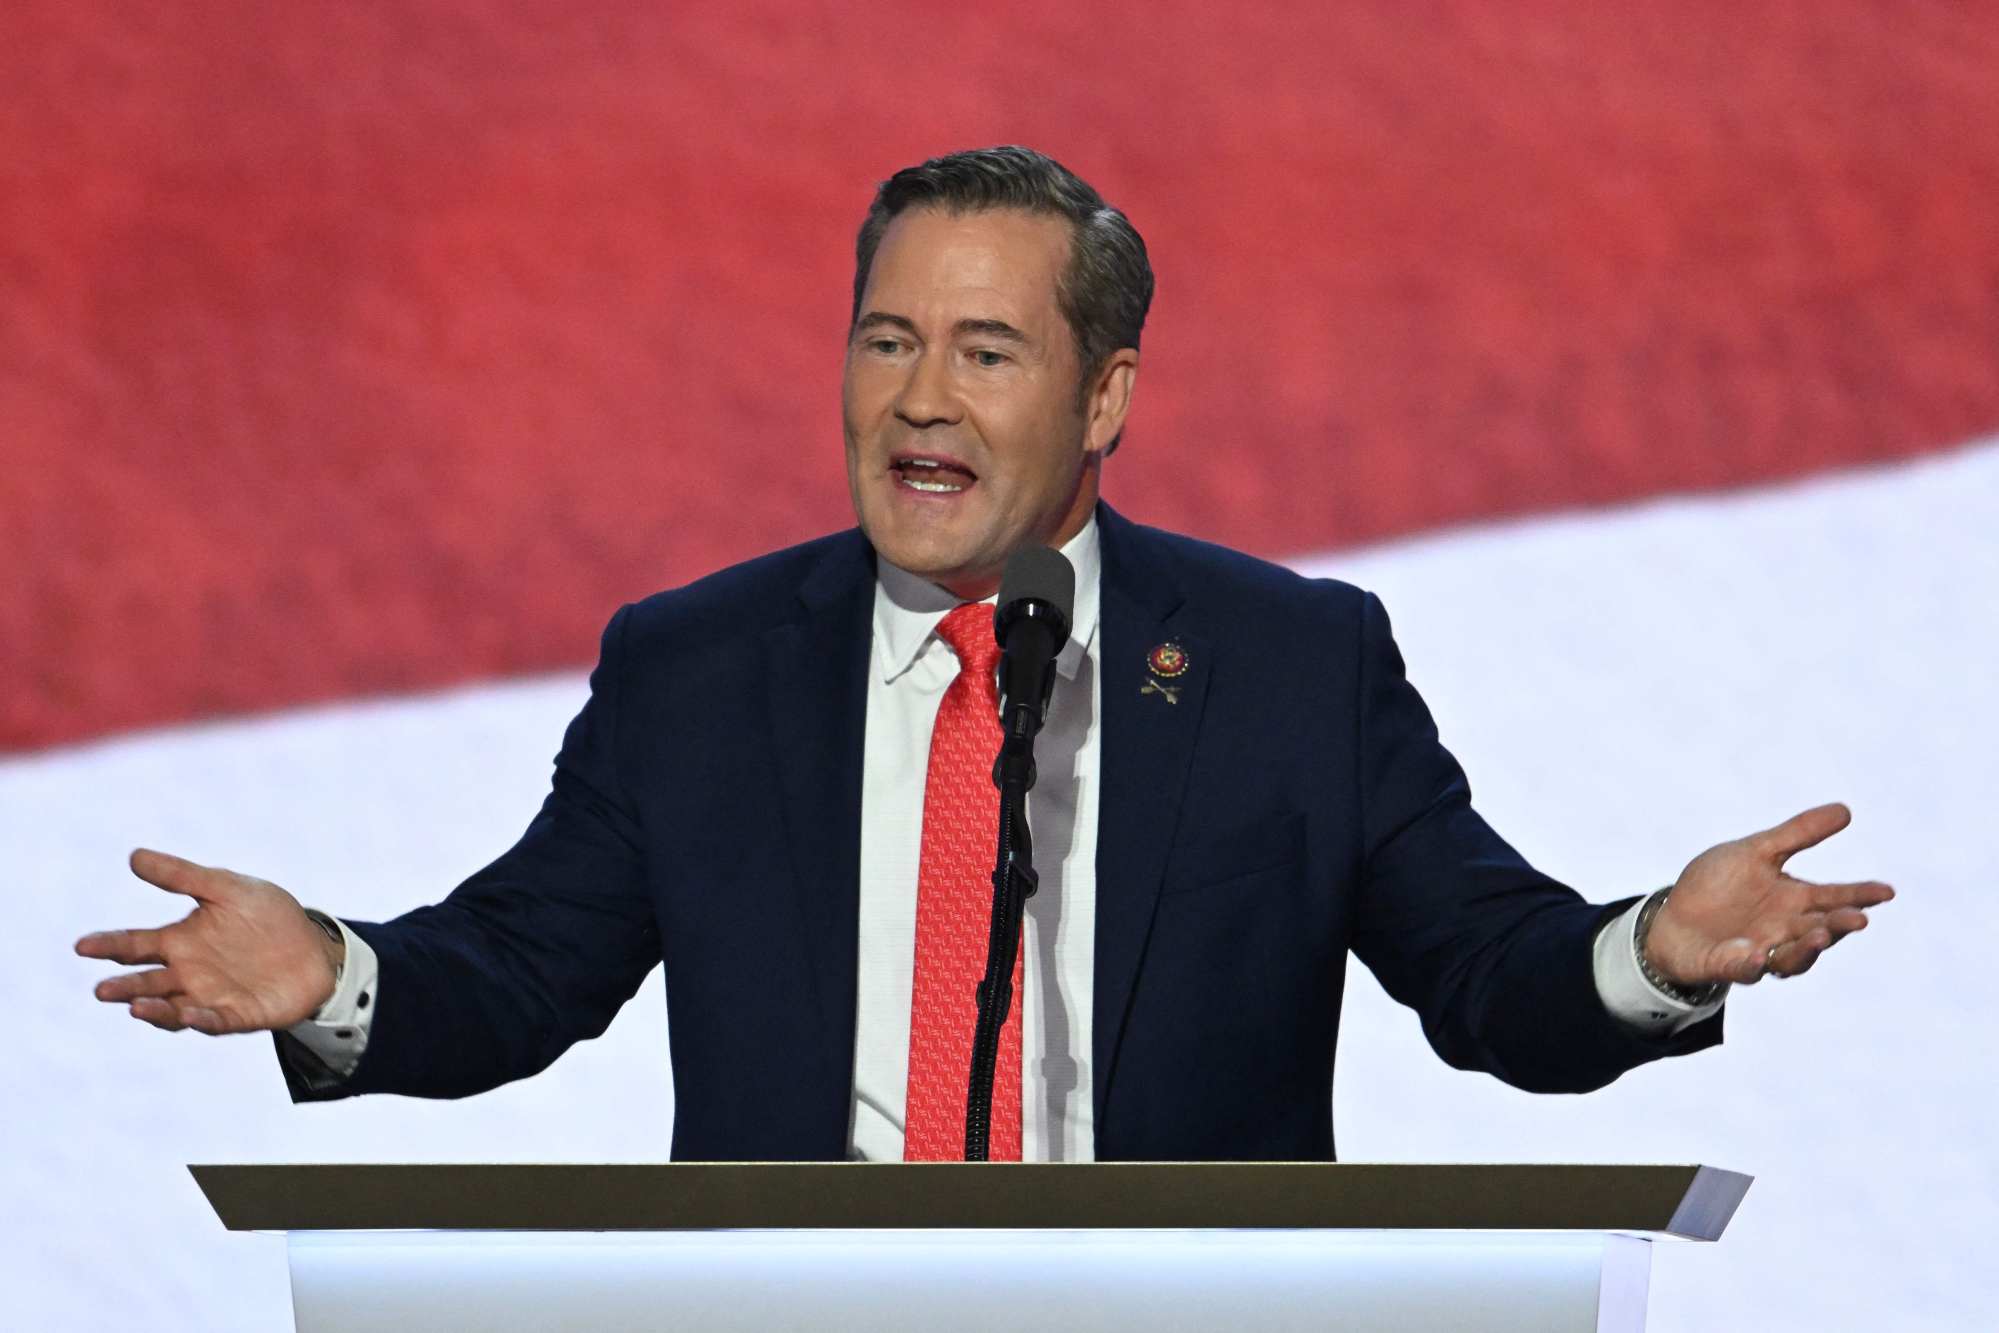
1037, 599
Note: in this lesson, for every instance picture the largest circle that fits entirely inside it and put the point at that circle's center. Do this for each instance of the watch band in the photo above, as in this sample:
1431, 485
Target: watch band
1687, 995
332, 929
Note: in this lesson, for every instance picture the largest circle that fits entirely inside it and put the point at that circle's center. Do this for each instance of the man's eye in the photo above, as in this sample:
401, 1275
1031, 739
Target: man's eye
884, 346
988, 358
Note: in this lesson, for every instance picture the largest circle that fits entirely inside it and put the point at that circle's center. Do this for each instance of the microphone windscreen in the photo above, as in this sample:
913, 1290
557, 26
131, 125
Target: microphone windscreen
1042, 574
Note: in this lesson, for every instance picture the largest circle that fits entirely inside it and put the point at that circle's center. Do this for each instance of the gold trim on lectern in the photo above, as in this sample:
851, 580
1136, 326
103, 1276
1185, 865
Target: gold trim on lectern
1693, 1202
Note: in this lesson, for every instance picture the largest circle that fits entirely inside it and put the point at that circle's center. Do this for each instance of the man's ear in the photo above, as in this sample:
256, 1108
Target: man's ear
1109, 400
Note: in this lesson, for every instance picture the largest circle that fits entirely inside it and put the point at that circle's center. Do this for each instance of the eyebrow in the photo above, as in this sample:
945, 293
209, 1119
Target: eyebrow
875, 319
990, 328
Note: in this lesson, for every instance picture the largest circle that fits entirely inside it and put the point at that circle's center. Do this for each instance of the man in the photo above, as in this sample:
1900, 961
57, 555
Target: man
778, 786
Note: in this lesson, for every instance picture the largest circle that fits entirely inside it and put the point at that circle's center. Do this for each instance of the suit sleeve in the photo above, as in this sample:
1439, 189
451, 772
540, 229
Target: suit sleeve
1493, 955
535, 952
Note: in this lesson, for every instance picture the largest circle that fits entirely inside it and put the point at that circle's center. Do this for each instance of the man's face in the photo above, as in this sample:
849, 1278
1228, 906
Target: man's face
964, 436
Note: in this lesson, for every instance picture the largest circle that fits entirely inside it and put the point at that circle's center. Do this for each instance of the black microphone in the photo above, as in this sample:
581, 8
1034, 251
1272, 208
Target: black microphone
1037, 598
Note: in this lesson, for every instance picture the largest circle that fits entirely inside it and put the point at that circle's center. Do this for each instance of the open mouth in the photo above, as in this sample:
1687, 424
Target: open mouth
931, 475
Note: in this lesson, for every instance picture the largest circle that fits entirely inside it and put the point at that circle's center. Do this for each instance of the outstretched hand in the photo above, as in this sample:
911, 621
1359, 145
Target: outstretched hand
1736, 916
246, 959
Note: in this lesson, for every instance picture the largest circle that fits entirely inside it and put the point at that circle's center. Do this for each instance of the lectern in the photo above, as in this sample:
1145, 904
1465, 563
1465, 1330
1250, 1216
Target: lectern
1139, 1247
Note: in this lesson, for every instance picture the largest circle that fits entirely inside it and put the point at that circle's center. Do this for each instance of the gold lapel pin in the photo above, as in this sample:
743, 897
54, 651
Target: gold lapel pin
1167, 661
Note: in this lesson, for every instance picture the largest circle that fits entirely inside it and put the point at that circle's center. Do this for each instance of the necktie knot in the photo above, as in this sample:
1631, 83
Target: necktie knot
968, 629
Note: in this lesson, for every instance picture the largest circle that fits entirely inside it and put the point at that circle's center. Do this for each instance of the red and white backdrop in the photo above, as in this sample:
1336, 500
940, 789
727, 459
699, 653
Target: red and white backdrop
357, 361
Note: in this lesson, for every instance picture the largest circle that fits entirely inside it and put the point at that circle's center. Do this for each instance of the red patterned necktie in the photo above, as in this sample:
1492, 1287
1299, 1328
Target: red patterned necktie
954, 907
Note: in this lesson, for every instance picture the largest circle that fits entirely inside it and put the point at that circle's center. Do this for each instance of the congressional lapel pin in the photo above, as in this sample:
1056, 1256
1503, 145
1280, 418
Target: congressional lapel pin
1166, 662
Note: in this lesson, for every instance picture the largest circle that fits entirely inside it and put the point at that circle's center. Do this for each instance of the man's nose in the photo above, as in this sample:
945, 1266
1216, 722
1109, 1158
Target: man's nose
928, 397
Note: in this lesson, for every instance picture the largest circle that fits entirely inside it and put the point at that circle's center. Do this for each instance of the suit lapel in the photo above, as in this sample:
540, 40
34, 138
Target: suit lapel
817, 668
817, 665
1145, 750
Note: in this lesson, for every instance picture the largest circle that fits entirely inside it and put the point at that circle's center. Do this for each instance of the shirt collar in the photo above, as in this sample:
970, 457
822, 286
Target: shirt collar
908, 608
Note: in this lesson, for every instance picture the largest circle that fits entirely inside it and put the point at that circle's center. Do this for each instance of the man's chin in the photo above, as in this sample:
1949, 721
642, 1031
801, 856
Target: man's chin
949, 564
968, 580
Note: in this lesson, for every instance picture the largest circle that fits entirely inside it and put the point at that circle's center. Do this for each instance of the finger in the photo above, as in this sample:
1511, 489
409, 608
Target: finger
161, 981
1795, 957
177, 875
1836, 925
1805, 829
1865, 893
206, 1021
1840, 925
160, 1013
1741, 961
131, 947
1746, 960
173, 1015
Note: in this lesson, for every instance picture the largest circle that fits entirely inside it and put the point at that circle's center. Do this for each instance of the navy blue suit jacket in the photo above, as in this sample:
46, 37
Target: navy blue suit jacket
1293, 805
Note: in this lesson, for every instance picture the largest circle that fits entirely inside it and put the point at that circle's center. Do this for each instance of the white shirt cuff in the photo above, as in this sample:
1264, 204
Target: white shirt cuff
1631, 999
338, 1033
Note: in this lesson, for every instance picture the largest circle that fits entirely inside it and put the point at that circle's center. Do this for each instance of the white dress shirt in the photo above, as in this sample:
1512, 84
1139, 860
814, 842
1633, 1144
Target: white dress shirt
908, 672
909, 669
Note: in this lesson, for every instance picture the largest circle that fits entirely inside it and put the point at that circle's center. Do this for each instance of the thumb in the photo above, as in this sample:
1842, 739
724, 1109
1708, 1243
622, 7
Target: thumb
1806, 829
202, 883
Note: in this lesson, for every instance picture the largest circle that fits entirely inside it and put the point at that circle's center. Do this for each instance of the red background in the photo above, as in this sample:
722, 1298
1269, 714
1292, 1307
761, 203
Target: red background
362, 347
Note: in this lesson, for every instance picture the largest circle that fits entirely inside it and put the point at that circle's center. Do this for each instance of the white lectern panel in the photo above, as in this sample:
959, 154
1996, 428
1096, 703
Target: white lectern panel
883, 1281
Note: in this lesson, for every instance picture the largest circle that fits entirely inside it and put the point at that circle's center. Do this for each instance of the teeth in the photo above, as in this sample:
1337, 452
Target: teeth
906, 468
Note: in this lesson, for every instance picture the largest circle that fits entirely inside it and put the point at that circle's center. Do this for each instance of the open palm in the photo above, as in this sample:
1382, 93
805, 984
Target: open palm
246, 959
1736, 916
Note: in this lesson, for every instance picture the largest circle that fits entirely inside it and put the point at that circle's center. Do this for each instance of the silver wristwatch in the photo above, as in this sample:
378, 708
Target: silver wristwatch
1688, 995
332, 929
